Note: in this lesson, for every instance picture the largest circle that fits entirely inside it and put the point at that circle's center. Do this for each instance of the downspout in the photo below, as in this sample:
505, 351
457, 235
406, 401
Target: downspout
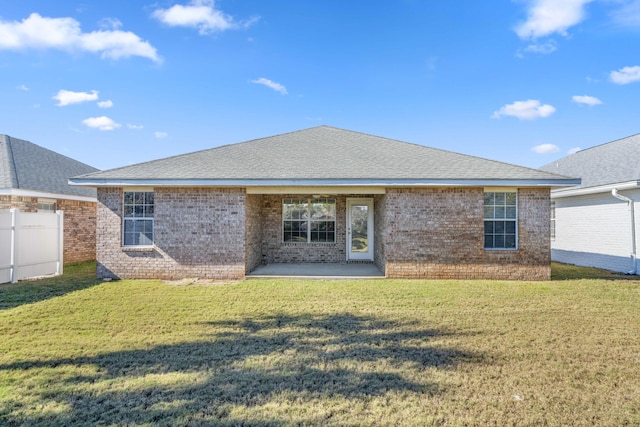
615, 194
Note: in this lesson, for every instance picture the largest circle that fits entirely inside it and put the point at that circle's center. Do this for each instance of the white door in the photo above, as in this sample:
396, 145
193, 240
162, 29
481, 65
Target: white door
360, 229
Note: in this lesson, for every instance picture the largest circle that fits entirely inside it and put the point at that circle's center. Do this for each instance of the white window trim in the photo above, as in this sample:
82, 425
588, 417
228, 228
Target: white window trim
124, 218
309, 201
516, 220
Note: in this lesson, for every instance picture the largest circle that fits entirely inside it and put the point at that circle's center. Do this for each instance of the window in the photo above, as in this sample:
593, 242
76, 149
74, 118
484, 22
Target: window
309, 220
553, 220
500, 220
46, 205
138, 218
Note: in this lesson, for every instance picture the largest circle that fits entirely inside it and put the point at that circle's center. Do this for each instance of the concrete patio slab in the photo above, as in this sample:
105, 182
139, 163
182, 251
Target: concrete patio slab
318, 271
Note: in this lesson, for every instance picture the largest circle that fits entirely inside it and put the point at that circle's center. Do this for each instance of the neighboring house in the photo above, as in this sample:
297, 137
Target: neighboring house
594, 222
34, 179
324, 195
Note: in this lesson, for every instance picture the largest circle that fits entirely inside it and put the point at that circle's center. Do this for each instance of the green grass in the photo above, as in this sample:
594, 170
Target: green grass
74, 351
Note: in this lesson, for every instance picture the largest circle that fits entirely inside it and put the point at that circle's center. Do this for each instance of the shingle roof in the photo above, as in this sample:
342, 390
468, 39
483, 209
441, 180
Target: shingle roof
323, 154
27, 166
614, 162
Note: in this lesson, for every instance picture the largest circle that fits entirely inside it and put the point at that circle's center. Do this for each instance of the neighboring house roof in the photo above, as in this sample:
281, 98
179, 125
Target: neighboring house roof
321, 155
27, 166
611, 163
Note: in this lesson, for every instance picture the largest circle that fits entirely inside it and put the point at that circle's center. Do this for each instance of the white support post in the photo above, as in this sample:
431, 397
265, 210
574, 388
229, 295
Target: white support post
60, 264
12, 262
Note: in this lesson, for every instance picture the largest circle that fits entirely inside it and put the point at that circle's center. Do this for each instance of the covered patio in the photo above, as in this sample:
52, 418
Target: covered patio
318, 271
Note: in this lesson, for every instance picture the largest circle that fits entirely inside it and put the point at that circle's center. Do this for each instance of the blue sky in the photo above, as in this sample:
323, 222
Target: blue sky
121, 82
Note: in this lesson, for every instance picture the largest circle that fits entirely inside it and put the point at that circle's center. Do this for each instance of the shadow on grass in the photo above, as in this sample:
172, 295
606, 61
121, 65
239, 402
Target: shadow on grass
242, 372
76, 277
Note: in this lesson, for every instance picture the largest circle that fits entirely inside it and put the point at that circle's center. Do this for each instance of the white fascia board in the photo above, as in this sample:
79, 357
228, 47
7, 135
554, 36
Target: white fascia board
570, 192
42, 194
88, 182
317, 190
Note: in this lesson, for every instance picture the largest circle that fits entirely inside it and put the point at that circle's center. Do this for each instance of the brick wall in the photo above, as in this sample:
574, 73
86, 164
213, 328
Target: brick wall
24, 203
437, 233
199, 232
434, 233
79, 230
253, 231
274, 250
379, 225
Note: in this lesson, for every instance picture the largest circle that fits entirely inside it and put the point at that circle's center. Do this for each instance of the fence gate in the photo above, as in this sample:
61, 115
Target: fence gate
31, 244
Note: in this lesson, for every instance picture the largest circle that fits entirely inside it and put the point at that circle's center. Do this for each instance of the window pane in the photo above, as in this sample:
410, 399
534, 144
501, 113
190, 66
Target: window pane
500, 212
488, 227
488, 198
488, 241
510, 212
128, 198
148, 198
500, 198
499, 227
511, 199
510, 227
510, 241
138, 198
145, 238
499, 241
489, 212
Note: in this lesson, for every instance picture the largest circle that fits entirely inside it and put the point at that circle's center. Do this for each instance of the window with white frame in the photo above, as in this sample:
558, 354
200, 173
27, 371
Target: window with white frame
45, 205
500, 220
308, 220
138, 209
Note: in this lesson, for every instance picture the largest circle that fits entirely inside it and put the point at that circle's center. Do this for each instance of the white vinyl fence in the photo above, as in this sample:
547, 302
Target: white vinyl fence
31, 244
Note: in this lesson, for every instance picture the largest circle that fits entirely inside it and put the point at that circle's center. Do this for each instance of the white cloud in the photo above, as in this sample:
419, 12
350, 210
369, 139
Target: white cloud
135, 127
542, 48
574, 150
38, 32
628, 15
586, 100
545, 149
200, 14
23, 88
545, 17
525, 110
110, 23
67, 97
625, 75
101, 123
160, 135
105, 104
271, 84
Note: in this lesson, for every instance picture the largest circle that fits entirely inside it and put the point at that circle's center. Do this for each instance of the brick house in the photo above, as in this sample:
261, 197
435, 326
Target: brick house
595, 223
34, 179
323, 195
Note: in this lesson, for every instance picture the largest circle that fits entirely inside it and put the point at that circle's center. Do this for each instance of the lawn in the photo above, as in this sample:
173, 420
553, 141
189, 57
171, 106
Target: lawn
75, 351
